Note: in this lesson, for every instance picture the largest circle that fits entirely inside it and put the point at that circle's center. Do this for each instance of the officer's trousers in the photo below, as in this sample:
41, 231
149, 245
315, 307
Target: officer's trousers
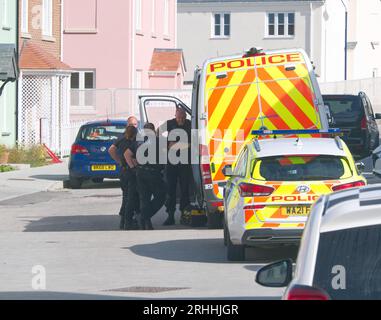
183, 174
152, 191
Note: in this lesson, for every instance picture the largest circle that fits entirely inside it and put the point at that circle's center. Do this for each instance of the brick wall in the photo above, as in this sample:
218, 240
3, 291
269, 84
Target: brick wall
35, 10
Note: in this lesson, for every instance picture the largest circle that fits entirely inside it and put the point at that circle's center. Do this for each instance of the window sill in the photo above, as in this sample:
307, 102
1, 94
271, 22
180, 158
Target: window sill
278, 37
153, 35
48, 39
167, 38
139, 33
219, 38
80, 31
6, 28
26, 35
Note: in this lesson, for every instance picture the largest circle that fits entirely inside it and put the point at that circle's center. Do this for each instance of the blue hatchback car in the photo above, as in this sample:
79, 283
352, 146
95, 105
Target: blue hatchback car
89, 159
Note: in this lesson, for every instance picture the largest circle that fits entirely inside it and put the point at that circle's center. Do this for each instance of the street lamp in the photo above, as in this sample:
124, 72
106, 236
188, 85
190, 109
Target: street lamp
346, 41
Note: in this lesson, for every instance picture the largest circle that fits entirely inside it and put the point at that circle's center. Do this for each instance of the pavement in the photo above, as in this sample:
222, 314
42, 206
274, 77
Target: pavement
32, 180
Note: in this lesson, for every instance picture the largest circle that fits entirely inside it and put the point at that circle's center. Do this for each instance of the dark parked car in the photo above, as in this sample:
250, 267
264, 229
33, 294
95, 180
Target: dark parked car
354, 115
89, 154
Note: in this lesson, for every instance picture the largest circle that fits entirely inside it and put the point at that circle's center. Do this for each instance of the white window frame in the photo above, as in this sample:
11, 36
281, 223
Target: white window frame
138, 16
4, 14
166, 18
25, 16
222, 25
153, 18
47, 18
276, 25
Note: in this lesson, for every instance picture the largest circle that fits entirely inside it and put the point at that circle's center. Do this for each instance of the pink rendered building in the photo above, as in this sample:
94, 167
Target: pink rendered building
111, 44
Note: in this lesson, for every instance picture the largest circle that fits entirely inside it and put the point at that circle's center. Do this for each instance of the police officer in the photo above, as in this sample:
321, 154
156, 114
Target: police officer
181, 172
116, 151
149, 175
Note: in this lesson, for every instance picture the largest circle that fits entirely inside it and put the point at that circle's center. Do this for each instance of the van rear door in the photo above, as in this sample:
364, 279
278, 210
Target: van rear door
158, 109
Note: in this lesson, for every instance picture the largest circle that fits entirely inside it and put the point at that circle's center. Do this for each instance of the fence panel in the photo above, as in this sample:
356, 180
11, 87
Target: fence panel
370, 86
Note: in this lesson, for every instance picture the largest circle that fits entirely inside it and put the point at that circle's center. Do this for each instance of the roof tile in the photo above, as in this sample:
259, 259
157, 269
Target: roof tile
36, 58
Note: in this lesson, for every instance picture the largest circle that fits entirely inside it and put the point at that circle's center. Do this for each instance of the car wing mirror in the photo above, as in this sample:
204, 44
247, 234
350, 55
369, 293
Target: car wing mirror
275, 275
360, 167
228, 171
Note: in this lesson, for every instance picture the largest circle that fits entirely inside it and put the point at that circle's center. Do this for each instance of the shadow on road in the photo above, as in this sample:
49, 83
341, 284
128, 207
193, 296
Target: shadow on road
75, 224
192, 250
208, 251
51, 177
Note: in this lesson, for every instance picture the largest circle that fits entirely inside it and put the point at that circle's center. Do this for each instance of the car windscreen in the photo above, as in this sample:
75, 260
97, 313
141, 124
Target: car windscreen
301, 168
345, 108
348, 264
102, 133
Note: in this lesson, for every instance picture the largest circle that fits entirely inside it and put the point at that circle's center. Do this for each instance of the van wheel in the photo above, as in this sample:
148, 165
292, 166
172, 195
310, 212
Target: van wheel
75, 183
235, 252
215, 220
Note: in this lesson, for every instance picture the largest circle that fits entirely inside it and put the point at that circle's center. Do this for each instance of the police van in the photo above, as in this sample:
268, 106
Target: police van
234, 95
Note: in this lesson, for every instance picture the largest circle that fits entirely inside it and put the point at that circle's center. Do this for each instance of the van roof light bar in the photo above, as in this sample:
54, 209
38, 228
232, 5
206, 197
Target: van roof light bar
253, 52
295, 132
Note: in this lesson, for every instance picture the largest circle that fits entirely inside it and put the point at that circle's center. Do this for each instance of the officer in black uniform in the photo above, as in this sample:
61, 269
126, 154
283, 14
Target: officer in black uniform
117, 151
181, 172
151, 186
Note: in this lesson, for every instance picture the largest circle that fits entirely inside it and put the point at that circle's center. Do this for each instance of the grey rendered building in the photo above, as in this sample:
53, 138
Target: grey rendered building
211, 28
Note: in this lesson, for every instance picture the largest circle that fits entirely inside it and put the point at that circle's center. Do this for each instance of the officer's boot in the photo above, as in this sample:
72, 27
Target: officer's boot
170, 220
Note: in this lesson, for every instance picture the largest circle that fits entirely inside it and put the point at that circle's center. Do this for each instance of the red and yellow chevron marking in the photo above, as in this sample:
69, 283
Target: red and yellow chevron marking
284, 193
286, 161
255, 92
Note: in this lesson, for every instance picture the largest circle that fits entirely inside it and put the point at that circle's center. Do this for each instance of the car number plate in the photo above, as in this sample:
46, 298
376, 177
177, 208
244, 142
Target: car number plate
103, 168
296, 211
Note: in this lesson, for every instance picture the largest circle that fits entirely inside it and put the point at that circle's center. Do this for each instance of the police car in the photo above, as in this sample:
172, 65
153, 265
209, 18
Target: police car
274, 183
340, 252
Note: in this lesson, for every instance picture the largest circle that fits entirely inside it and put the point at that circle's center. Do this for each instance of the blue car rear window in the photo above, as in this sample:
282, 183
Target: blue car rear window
102, 133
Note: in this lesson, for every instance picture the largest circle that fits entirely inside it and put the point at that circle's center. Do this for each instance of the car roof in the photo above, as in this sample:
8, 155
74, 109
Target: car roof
352, 208
107, 121
299, 146
340, 96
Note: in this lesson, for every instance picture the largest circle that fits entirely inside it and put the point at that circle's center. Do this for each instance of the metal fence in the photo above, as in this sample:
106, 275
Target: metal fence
120, 103
372, 87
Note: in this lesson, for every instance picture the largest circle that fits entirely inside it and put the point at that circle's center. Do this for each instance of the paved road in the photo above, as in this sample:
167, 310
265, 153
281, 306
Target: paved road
74, 235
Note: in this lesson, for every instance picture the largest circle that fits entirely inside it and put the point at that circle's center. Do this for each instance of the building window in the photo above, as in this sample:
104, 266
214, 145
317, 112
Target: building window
4, 13
82, 82
281, 24
138, 15
47, 18
24, 16
166, 17
153, 30
221, 25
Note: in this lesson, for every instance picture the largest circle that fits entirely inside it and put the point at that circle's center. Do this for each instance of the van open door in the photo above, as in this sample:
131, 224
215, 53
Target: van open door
159, 109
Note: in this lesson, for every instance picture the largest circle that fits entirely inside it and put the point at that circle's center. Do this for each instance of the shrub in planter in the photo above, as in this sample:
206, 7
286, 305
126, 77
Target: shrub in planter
34, 155
4, 154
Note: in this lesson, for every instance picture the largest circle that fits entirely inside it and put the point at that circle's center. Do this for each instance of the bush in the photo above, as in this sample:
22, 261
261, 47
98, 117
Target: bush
34, 155
6, 168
